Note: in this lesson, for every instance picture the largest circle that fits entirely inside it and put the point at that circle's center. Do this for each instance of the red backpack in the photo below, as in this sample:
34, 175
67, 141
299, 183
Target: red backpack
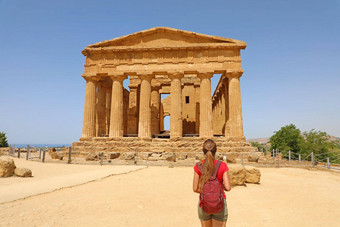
211, 198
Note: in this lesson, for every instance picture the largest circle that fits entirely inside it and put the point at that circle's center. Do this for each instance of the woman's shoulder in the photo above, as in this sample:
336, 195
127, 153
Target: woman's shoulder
224, 165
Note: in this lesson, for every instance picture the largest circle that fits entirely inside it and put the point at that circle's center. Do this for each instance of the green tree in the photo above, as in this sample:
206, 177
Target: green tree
319, 143
3, 140
287, 138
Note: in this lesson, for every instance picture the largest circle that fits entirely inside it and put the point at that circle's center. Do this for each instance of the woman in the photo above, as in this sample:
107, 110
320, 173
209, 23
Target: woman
201, 177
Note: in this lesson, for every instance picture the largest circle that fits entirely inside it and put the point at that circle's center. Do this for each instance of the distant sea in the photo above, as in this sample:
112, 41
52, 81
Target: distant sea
41, 145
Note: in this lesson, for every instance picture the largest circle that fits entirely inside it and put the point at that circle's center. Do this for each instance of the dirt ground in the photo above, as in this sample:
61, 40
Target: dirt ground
162, 196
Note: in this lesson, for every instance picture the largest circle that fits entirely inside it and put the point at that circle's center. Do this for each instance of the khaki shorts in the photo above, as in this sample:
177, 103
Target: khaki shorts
220, 216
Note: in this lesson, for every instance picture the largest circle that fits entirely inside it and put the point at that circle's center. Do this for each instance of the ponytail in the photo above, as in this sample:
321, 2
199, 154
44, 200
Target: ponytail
208, 167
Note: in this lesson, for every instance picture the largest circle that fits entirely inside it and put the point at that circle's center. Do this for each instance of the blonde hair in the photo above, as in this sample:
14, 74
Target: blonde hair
208, 167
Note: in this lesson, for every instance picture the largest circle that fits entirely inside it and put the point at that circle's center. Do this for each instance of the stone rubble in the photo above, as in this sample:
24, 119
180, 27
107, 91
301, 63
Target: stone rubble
8, 169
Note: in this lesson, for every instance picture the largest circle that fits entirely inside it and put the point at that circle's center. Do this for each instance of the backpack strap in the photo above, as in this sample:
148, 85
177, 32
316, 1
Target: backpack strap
199, 166
218, 163
216, 168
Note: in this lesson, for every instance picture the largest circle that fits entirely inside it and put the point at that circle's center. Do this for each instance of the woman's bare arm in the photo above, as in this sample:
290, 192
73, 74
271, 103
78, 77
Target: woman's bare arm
226, 181
195, 182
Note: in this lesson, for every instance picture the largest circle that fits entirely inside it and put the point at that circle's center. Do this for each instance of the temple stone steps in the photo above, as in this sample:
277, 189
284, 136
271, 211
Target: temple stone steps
158, 144
105, 145
182, 151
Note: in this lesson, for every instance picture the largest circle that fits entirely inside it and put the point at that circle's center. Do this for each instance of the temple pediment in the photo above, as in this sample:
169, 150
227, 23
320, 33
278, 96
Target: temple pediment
164, 37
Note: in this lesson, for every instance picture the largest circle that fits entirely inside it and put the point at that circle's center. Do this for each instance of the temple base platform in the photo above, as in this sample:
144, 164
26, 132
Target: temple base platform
178, 151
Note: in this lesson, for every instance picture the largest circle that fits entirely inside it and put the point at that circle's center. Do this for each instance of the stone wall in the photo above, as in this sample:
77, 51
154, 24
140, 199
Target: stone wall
189, 115
126, 94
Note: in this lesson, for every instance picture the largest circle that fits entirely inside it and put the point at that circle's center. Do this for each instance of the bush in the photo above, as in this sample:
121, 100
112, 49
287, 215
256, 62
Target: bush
318, 142
288, 138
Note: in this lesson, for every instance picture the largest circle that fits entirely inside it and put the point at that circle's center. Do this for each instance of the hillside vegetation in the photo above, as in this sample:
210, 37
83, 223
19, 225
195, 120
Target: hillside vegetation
290, 138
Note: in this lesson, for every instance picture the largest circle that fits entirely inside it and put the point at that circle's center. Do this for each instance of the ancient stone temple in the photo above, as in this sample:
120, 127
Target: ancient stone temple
130, 122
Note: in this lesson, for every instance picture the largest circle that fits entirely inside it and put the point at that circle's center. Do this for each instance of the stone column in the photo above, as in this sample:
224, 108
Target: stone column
117, 116
206, 129
226, 101
101, 108
176, 121
108, 91
155, 109
161, 118
144, 125
197, 107
215, 104
222, 117
235, 106
89, 122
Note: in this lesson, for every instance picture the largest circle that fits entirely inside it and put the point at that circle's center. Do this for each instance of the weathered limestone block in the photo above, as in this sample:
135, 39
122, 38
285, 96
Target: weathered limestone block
23, 172
199, 156
181, 156
114, 155
268, 155
144, 155
237, 174
253, 158
191, 155
253, 175
7, 167
91, 157
155, 157
231, 159
171, 157
128, 156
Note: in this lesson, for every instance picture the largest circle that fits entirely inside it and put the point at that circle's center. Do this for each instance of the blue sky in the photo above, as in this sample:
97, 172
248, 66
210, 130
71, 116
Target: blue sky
291, 63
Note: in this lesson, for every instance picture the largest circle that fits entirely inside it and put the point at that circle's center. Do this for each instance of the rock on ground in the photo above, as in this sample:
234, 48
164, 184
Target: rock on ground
7, 167
253, 175
23, 172
55, 155
237, 174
